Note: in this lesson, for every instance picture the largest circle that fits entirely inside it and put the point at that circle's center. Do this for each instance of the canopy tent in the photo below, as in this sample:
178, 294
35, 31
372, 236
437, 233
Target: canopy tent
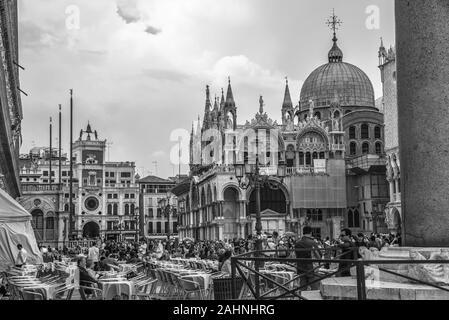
15, 228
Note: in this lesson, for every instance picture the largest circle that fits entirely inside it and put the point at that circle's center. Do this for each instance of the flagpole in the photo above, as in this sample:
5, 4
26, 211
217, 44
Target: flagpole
51, 147
71, 231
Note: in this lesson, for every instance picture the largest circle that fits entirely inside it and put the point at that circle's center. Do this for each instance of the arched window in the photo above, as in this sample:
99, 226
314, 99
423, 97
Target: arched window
356, 219
115, 209
109, 208
127, 209
290, 156
365, 148
337, 114
49, 223
315, 155
270, 199
350, 219
318, 115
132, 209
378, 148
364, 131
308, 159
301, 158
66, 207
352, 133
377, 132
353, 148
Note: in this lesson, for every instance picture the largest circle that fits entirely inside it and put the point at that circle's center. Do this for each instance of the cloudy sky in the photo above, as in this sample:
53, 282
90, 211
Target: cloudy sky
139, 67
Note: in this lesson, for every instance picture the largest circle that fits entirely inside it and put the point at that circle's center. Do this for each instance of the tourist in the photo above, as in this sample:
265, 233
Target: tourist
346, 245
94, 254
22, 256
282, 250
90, 268
225, 262
110, 262
86, 280
327, 252
306, 248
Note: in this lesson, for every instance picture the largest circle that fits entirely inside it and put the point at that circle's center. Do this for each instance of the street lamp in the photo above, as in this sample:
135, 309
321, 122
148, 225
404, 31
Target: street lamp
167, 211
254, 179
137, 220
120, 225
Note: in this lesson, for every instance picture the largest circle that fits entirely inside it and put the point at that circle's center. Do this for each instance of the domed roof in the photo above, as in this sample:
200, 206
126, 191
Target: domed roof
337, 80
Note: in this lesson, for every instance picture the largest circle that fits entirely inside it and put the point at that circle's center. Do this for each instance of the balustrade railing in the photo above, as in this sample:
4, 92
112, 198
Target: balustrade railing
41, 187
303, 170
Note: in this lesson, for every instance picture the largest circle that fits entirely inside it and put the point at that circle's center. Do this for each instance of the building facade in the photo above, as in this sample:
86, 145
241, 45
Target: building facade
10, 100
387, 66
157, 224
105, 194
332, 143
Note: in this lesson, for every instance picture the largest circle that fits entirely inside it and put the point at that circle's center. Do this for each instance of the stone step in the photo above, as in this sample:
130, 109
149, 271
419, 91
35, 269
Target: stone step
346, 288
312, 295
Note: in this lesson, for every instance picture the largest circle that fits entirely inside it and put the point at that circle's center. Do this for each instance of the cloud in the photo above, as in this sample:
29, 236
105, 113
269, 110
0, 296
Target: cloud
152, 30
128, 11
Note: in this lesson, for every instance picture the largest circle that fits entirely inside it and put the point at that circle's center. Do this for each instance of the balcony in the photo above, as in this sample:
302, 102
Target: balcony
304, 170
338, 147
41, 187
367, 163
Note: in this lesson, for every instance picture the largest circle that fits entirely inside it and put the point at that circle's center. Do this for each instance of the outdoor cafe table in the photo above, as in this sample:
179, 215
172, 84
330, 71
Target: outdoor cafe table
198, 276
34, 284
280, 277
116, 287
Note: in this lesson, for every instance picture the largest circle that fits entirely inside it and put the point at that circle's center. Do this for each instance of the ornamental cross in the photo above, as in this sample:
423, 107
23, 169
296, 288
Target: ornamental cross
333, 22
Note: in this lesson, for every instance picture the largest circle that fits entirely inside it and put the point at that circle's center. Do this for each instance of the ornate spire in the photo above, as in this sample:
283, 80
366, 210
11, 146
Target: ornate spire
216, 104
208, 104
261, 104
230, 95
287, 104
222, 101
335, 54
89, 129
207, 109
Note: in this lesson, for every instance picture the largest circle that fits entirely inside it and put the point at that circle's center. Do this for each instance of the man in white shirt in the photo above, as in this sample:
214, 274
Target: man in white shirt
94, 255
21, 256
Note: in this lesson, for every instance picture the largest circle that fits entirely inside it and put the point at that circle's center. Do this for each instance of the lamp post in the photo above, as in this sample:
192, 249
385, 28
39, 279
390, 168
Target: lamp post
137, 220
167, 210
120, 223
256, 180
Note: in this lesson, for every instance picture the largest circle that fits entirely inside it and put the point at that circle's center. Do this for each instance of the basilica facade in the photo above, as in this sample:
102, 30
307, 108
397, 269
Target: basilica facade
331, 142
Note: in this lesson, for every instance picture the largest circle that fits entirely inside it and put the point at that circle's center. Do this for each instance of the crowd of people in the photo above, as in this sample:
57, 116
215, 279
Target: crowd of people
106, 255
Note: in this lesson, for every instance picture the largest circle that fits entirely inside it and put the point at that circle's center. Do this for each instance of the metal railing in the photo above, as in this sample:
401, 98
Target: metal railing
262, 286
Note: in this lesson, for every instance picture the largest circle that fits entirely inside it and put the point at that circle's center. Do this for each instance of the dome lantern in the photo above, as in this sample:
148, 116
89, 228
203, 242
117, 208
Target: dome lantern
335, 54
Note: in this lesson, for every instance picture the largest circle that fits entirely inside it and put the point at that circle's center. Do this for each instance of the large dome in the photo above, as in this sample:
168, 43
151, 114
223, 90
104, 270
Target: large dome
337, 79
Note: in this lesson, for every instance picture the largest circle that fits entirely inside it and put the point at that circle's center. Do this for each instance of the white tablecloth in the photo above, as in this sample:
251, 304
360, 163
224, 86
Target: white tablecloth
117, 288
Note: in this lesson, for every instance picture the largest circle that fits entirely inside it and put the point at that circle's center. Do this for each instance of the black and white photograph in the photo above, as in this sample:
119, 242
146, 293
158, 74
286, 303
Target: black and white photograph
220, 157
